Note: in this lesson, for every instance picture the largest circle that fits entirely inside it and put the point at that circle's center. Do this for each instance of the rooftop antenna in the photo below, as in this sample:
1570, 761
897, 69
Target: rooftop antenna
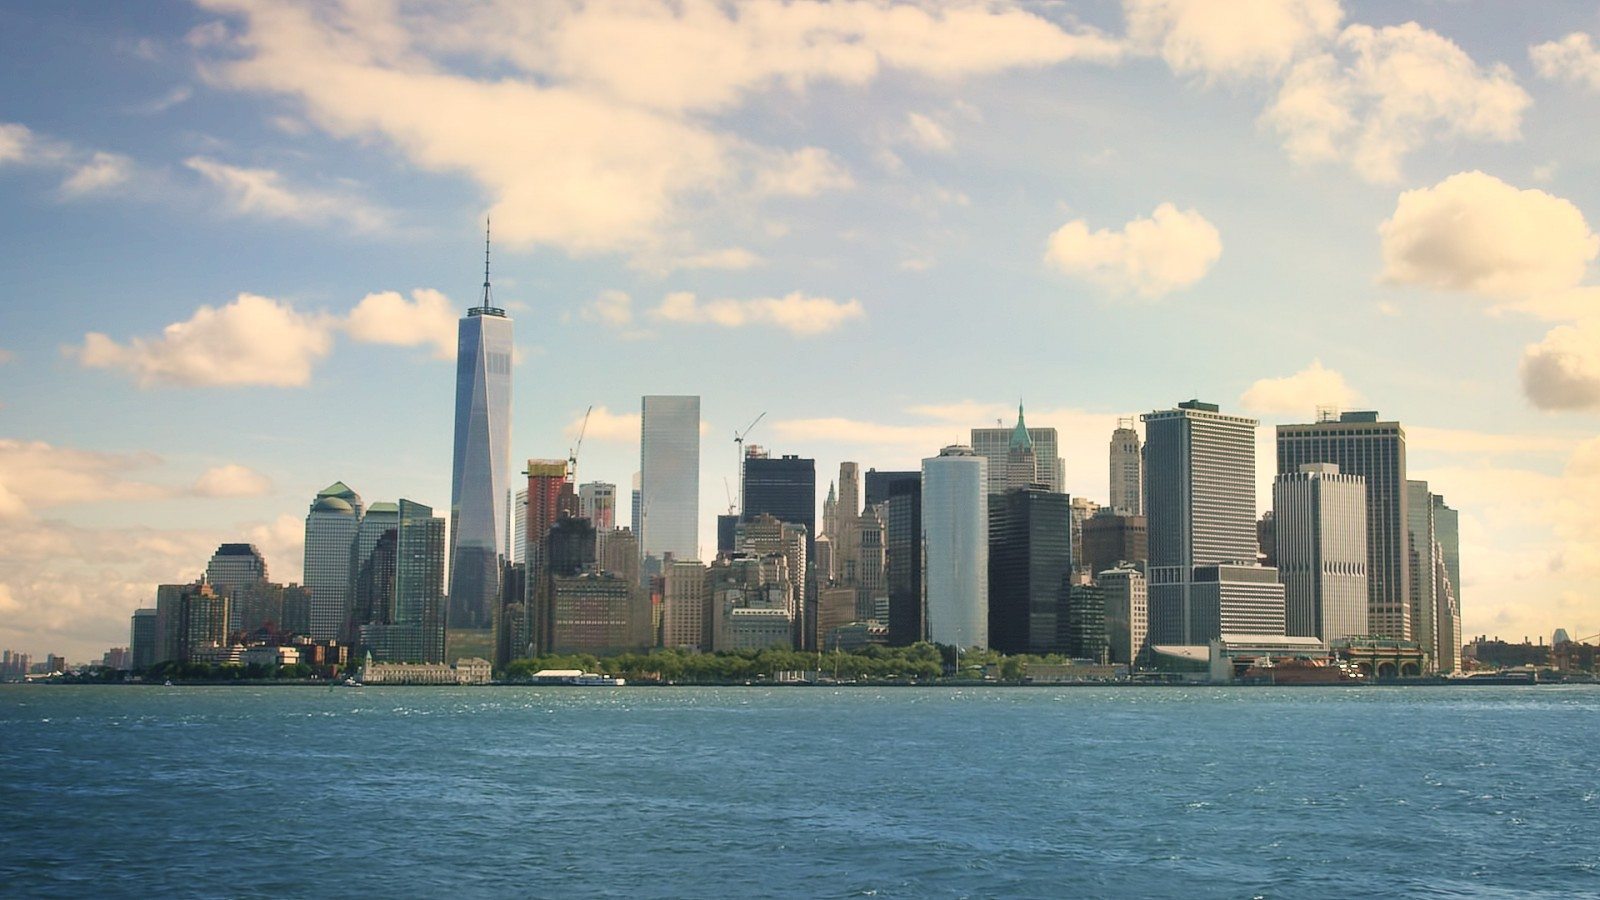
485, 304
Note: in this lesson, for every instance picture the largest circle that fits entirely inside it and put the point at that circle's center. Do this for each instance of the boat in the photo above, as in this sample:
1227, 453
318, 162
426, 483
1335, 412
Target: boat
576, 677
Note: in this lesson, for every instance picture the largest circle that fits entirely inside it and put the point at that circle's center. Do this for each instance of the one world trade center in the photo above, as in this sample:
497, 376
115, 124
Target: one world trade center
478, 475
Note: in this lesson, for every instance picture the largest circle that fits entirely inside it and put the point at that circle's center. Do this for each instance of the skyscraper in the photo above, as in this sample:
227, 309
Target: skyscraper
994, 445
1127, 600
1030, 559
669, 483
785, 487
419, 582
955, 534
1359, 444
235, 566
597, 502
1200, 502
902, 548
879, 485
1420, 559
1447, 536
1127, 470
331, 528
847, 517
480, 468
1319, 521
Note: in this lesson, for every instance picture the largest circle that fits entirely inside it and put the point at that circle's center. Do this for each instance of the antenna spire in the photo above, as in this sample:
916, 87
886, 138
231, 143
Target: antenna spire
486, 303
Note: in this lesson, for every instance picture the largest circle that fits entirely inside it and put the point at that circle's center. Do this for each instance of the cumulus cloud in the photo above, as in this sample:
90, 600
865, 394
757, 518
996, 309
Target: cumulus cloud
1380, 93
926, 133
252, 341
266, 193
796, 313
605, 425
625, 80
427, 319
1301, 392
613, 308
1562, 372
37, 475
1573, 59
1151, 257
84, 172
232, 480
1235, 39
101, 172
1473, 232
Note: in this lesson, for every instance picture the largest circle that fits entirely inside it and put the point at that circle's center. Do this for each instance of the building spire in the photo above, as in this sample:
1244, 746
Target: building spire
485, 304
1020, 439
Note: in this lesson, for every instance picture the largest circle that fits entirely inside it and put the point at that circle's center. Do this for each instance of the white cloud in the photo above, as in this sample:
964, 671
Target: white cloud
232, 480
251, 341
724, 258
796, 313
1573, 59
427, 319
614, 308
1234, 39
622, 79
266, 193
1151, 257
37, 475
605, 425
926, 133
174, 97
1301, 392
1383, 92
84, 172
1473, 232
19, 145
102, 171
1562, 372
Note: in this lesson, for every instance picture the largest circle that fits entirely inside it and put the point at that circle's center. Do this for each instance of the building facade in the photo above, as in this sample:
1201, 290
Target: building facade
785, 487
669, 484
1127, 611
955, 537
331, 528
1030, 560
994, 445
1319, 519
1127, 470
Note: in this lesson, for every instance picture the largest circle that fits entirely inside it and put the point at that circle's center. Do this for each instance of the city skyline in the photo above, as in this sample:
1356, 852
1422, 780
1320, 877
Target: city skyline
165, 392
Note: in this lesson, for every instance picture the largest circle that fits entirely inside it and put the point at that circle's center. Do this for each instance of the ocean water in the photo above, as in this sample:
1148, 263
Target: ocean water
800, 792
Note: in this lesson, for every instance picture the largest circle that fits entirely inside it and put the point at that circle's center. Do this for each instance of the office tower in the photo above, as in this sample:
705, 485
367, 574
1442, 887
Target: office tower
847, 514
374, 590
190, 618
1232, 599
419, 611
994, 445
878, 485
955, 530
1267, 536
619, 554
871, 585
686, 600
142, 638
1081, 511
836, 607
1127, 604
1359, 444
380, 517
480, 468
296, 610
1319, 532
727, 526
597, 502
767, 536
902, 550
1083, 623
830, 514
1020, 465
1110, 537
234, 566
669, 482
256, 609
547, 497
1200, 502
1420, 539
517, 525
636, 509
786, 487
1127, 470
596, 613
1030, 560
1447, 537
331, 528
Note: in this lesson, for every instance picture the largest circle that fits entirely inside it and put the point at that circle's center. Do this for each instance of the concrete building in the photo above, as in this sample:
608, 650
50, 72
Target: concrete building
1200, 508
847, 522
233, 568
757, 629
1319, 519
1080, 511
517, 525
1127, 614
480, 469
1447, 538
1110, 537
836, 607
1030, 561
686, 606
1127, 470
331, 527
1424, 593
872, 594
598, 614
1230, 599
669, 485
955, 535
597, 502
143, 638
1359, 444
994, 445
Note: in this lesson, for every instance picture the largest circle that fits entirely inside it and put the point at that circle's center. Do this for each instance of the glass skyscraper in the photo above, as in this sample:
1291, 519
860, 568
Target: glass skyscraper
479, 475
955, 533
785, 487
669, 484
331, 527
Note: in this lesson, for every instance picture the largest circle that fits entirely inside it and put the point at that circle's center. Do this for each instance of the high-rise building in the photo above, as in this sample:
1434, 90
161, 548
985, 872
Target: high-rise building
234, 566
1110, 537
380, 517
1082, 510
1127, 470
597, 613
955, 535
296, 610
417, 632
902, 550
636, 506
785, 487
1359, 444
872, 597
879, 485
1082, 623
143, 638
331, 528
1030, 560
1420, 560
1200, 502
1319, 519
597, 502
1231, 599
847, 515
1020, 465
1447, 537
374, 591
669, 484
190, 618
686, 605
480, 470
994, 445
517, 525
1127, 606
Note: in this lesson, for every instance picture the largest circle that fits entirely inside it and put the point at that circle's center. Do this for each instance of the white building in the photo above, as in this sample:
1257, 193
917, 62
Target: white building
669, 480
1127, 612
751, 628
1320, 519
1127, 470
955, 535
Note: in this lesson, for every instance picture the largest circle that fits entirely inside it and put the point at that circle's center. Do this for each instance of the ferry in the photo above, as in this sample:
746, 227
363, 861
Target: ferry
576, 677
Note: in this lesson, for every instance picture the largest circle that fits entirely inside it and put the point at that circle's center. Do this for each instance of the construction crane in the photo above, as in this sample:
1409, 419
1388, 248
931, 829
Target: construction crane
729, 491
572, 454
738, 447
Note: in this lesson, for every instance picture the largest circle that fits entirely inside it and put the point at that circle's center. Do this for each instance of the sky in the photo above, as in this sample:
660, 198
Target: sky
237, 235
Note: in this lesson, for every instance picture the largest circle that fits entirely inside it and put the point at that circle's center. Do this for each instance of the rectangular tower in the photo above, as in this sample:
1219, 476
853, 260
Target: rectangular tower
669, 482
1127, 470
1319, 518
1030, 559
785, 487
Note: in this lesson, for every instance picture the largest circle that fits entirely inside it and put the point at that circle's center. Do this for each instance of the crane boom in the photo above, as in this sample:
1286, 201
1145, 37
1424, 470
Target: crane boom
738, 448
572, 455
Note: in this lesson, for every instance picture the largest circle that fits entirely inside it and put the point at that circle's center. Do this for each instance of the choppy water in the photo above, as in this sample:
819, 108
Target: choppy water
707, 792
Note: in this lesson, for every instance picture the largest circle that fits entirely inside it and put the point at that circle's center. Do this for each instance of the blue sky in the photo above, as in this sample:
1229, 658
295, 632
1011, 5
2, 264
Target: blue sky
878, 224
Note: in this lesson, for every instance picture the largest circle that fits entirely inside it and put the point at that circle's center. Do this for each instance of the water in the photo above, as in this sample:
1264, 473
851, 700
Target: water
701, 792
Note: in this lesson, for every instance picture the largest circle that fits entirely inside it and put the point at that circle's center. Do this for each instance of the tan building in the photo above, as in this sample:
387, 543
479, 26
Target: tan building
597, 614
685, 615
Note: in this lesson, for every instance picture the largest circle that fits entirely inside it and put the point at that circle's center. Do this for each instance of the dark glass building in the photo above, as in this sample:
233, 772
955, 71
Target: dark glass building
786, 488
1030, 559
879, 485
1083, 623
902, 544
